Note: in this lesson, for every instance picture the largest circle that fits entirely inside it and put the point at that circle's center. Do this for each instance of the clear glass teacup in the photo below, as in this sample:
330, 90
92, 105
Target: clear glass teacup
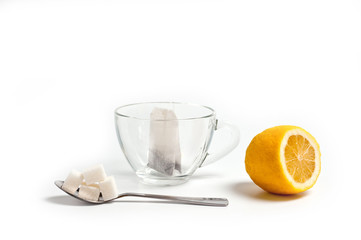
166, 142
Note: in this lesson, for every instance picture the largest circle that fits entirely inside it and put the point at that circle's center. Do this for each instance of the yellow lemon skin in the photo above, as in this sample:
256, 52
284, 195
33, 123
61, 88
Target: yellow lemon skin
263, 161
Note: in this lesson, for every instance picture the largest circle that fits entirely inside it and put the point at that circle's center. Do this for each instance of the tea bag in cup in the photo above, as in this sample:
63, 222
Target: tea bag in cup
164, 148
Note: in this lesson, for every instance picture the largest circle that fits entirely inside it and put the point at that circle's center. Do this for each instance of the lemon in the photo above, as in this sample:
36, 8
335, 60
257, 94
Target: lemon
284, 160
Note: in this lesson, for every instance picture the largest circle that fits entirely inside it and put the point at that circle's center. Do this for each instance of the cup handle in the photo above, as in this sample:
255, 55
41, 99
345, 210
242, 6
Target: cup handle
232, 144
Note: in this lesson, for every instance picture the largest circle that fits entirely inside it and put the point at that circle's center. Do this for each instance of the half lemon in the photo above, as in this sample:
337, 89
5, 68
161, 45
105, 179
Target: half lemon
284, 160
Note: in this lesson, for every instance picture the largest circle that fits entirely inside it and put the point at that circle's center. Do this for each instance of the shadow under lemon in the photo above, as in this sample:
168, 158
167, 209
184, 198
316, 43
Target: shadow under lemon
251, 190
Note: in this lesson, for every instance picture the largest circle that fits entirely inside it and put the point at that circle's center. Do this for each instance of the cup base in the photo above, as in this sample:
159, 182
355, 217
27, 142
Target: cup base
151, 177
163, 181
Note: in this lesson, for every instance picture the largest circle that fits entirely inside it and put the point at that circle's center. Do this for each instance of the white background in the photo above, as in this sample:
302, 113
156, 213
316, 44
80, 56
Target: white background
66, 65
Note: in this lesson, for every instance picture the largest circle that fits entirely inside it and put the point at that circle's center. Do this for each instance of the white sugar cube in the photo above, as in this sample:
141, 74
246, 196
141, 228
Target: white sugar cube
108, 188
92, 185
94, 174
73, 181
89, 192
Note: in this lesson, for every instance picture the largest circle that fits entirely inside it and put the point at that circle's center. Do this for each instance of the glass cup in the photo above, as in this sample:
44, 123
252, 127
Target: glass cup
166, 142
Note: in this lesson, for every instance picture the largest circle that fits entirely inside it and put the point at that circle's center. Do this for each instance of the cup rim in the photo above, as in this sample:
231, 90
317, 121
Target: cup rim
148, 119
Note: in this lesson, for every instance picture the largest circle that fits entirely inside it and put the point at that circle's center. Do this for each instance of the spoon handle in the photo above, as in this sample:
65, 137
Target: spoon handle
219, 202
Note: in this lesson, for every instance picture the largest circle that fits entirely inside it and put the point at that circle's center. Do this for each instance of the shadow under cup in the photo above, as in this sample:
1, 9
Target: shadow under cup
165, 142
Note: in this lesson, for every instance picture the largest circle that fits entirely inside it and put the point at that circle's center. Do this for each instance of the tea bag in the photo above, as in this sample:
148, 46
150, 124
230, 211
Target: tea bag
164, 149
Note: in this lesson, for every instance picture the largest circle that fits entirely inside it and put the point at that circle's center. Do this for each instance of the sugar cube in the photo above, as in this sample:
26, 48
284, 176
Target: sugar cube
73, 181
89, 192
108, 188
92, 185
94, 174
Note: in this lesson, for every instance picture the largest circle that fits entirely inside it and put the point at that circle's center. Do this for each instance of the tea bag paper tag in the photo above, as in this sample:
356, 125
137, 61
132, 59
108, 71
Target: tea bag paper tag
164, 148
